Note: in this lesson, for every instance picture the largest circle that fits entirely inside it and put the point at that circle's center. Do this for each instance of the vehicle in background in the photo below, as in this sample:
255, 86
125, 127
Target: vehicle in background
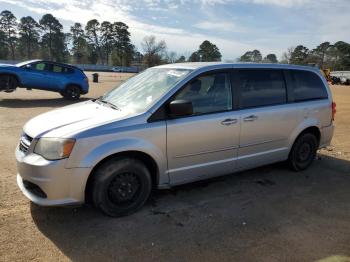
65, 79
340, 77
125, 69
174, 124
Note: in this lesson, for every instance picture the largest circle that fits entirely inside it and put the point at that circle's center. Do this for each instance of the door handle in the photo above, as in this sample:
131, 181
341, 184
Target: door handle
250, 118
228, 122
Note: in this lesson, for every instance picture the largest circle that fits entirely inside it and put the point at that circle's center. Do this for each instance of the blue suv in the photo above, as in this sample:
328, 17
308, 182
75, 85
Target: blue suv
65, 79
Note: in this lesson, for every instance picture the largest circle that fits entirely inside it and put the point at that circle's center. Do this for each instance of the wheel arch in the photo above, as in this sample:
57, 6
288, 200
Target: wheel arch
18, 79
74, 84
315, 130
145, 158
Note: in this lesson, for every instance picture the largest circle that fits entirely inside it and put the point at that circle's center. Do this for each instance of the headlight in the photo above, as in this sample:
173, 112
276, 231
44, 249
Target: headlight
54, 148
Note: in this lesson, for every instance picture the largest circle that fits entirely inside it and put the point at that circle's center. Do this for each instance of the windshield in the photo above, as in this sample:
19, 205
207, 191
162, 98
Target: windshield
140, 92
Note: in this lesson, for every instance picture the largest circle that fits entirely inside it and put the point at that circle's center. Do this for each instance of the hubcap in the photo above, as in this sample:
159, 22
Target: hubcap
124, 189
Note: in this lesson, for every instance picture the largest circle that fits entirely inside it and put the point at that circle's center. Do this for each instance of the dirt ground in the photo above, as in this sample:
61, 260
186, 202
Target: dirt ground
266, 214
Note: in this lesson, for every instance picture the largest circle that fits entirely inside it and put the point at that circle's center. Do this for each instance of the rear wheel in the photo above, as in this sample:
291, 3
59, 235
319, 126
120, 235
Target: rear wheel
71, 92
8, 83
121, 186
303, 152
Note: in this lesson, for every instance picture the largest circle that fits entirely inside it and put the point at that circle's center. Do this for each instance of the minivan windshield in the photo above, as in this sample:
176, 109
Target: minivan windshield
140, 92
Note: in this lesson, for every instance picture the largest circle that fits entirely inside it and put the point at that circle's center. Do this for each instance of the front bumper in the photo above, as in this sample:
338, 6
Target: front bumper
62, 186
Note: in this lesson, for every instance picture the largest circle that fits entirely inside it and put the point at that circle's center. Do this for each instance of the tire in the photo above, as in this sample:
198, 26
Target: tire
8, 83
303, 152
71, 92
121, 186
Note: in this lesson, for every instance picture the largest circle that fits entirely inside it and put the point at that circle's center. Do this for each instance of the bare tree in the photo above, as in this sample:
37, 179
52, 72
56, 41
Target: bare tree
153, 50
171, 57
286, 56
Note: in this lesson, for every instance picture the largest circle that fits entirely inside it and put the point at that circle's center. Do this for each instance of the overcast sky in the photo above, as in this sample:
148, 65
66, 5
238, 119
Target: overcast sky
235, 26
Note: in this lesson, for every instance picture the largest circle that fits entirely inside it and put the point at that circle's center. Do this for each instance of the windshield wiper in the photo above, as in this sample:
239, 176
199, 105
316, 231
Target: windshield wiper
107, 103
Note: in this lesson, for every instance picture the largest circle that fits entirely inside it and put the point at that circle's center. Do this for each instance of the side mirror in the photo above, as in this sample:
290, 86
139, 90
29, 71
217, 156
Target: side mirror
180, 108
29, 66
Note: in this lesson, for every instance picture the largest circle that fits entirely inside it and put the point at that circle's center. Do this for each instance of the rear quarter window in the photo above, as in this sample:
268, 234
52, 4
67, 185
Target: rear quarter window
68, 70
308, 86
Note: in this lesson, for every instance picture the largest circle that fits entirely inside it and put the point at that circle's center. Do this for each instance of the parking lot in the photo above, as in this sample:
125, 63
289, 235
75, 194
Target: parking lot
266, 214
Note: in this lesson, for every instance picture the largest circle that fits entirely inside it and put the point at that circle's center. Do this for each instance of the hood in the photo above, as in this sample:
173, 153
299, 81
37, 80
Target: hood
69, 120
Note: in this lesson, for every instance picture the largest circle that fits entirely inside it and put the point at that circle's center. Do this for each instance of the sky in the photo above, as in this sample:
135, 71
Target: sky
235, 26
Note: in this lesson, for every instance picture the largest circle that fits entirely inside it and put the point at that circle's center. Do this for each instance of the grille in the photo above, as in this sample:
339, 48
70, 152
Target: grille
24, 143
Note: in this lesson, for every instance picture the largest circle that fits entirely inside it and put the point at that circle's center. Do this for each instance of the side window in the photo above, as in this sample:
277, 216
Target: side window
41, 66
208, 93
308, 86
261, 88
67, 70
57, 69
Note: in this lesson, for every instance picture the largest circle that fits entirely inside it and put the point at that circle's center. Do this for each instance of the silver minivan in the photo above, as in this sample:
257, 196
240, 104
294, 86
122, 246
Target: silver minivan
170, 125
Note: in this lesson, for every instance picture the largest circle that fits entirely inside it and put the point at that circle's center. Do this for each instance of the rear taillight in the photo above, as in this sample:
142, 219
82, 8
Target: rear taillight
334, 110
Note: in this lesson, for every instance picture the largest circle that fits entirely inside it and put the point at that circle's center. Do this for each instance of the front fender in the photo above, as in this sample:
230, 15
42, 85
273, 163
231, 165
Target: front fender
82, 156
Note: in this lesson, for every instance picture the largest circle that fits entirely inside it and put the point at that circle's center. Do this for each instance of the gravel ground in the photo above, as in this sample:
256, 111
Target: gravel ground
266, 214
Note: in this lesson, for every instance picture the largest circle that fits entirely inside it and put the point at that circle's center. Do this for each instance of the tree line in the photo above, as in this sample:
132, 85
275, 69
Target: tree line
326, 55
27, 38
109, 43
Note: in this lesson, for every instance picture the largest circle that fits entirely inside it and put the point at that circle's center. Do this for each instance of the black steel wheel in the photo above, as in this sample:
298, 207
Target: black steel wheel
121, 186
303, 152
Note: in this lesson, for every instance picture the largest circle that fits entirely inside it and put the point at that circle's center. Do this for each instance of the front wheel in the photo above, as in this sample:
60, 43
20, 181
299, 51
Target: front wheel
71, 92
303, 152
121, 186
8, 83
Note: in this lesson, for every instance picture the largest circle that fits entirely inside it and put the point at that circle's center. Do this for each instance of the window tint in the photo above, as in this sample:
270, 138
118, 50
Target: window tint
40, 66
261, 88
68, 70
208, 94
61, 69
57, 69
308, 86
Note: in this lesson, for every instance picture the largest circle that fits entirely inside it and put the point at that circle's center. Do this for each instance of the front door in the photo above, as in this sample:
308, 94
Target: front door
204, 144
38, 76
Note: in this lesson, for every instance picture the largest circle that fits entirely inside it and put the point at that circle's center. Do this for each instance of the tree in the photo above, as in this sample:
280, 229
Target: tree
286, 56
8, 24
209, 52
93, 32
108, 39
299, 55
123, 48
28, 30
54, 40
181, 59
194, 57
153, 50
3, 47
343, 50
79, 44
171, 57
320, 53
271, 58
251, 56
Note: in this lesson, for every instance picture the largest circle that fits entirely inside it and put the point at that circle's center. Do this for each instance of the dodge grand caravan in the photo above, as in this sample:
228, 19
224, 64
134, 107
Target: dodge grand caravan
171, 125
